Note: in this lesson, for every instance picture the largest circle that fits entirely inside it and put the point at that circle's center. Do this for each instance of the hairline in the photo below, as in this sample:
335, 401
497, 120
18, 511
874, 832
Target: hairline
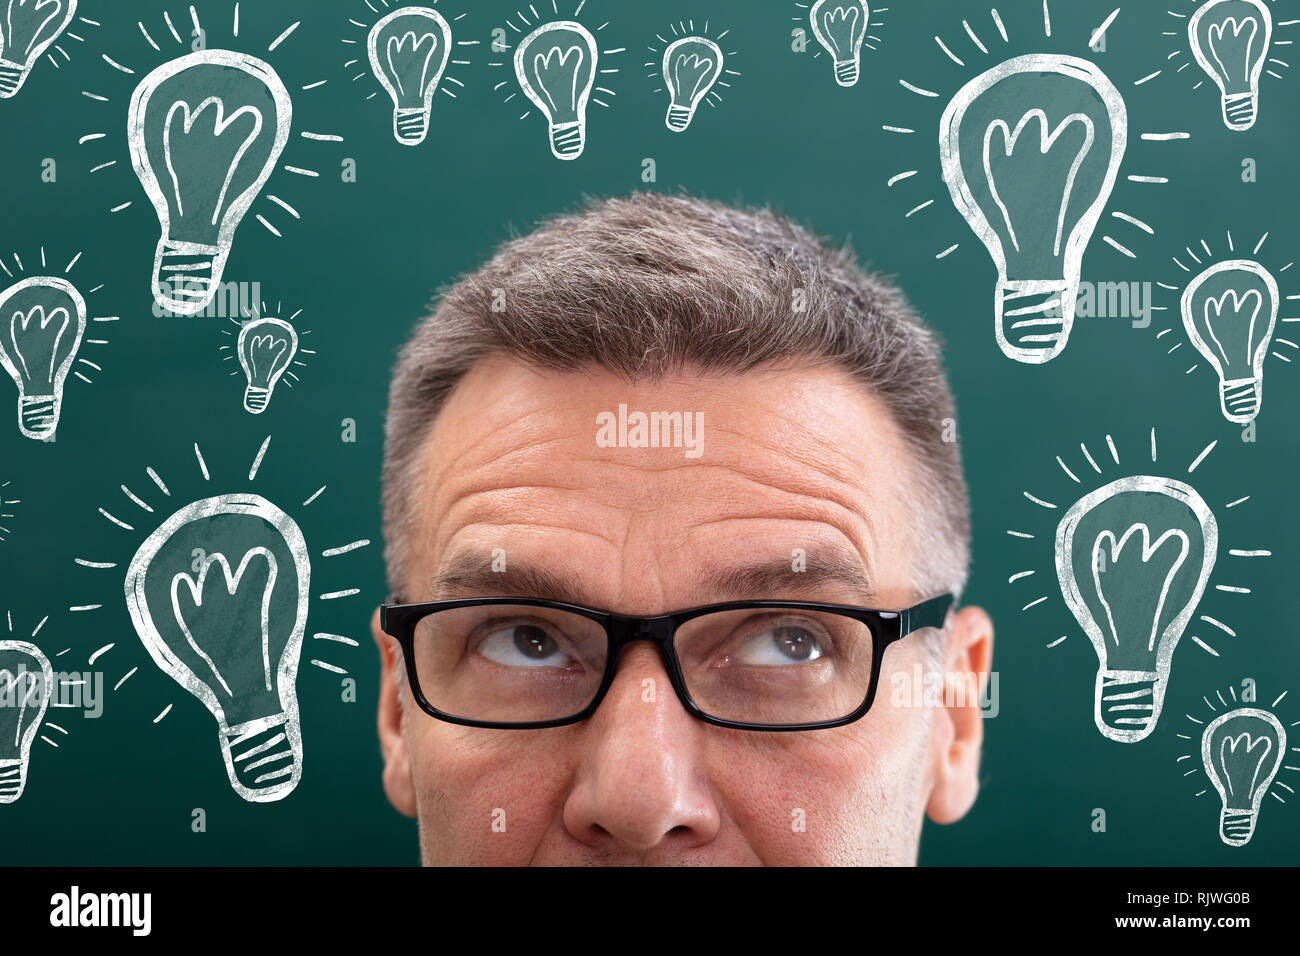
463, 310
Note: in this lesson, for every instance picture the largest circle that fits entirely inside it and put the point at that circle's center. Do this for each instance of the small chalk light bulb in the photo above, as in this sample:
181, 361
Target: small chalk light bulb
266, 348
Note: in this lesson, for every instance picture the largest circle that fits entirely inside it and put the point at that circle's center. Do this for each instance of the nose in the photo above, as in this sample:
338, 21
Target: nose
641, 784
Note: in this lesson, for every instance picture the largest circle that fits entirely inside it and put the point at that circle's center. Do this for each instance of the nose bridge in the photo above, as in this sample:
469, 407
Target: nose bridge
639, 784
625, 630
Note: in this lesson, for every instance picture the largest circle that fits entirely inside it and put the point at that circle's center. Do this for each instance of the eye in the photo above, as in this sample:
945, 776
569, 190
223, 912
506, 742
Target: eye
781, 646
523, 645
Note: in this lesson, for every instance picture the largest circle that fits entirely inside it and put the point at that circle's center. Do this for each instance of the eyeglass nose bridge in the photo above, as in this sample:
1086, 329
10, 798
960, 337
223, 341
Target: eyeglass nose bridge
623, 630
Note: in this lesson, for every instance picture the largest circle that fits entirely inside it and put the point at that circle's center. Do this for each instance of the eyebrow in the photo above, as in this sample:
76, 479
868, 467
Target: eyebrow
461, 579
841, 570
837, 569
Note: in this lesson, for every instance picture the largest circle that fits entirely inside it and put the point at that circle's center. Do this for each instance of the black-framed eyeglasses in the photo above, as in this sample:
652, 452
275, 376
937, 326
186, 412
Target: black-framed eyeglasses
527, 663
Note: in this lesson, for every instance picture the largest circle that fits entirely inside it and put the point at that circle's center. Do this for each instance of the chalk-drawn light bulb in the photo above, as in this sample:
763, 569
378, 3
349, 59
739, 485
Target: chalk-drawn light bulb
1030, 151
409, 49
556, 69
27, 29
1133, 559
692, 65
266, 349
1230, 40
26, 685
205, 132
42, 321
218, 594
1229, 312
1242, 751
840, 26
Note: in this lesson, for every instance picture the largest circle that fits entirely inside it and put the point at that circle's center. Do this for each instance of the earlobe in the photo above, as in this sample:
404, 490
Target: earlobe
399, 784
958, 729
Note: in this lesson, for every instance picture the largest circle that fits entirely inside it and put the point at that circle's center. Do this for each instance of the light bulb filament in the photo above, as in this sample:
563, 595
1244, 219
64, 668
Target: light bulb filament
557, 72
1239, 54
34, 26
843, 26
1046, 141
1229, 757
691, 72
197, 589
220, 125
265, 353
1107, 551
399, 61
1215, 311
35, 335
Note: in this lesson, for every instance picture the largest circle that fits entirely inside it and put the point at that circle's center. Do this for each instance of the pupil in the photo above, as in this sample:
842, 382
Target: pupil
797, 644
533, 642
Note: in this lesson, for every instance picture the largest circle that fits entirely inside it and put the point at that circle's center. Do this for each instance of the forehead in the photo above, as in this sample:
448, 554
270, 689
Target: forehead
767, 461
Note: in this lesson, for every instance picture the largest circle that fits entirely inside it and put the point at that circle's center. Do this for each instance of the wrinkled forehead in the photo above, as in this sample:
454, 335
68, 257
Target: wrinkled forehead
690, 472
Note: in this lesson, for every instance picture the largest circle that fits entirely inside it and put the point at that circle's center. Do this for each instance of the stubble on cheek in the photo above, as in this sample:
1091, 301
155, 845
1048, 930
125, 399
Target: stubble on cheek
433, 811
879, 823
852, 796
449, 835
431, 815
484, 797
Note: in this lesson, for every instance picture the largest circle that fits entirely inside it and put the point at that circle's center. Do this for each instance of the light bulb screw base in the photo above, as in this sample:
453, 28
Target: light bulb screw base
186, 275
256, 399
1033, 318
1128, 704
12, 76
410, 126
1240, 399
679, 117
1240, 110
263, 757
1236, 827
38, 416
568, 140
13, 780
847, 72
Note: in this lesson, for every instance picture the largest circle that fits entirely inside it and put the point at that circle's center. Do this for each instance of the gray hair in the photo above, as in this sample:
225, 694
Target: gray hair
647, 284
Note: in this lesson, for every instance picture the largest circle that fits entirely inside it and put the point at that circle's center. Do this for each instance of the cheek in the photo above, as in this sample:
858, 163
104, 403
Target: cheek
847, 796
485, 797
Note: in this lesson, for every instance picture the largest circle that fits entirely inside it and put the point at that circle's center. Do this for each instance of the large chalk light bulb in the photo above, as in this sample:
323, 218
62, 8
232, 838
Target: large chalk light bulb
26, 685
840, 26
42, 322
228, 627
1230, 40
1030, 150
1133, 559
556, 69
205, 132
409, 49
692, 65
27, 29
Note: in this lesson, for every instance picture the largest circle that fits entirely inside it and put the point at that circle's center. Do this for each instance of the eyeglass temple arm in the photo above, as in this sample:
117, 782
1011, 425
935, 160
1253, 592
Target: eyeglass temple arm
929, 613
390, 613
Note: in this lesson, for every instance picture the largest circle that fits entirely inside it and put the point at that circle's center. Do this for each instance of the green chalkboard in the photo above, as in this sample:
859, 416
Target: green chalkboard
157, 413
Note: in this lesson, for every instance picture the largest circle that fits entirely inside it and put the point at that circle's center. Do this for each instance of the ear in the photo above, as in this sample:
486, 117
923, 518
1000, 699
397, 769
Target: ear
398, 782
958, 728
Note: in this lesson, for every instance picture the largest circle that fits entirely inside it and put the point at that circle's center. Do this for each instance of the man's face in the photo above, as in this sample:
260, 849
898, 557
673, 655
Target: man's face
792, 458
